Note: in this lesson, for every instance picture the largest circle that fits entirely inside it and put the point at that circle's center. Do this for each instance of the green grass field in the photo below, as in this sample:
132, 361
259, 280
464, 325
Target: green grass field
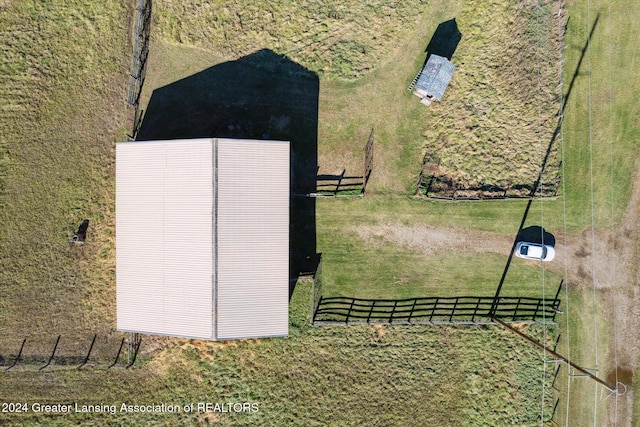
64, 76
614, 135
63, 88
382, 248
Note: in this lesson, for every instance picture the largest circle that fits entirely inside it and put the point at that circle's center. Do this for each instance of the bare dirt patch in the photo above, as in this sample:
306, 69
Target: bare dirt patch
433, 240
611, 265
623, 302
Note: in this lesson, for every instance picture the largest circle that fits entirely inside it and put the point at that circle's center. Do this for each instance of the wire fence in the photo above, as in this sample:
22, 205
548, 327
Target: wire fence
343, 185
433, 186
140, 51
434, 310
39, 357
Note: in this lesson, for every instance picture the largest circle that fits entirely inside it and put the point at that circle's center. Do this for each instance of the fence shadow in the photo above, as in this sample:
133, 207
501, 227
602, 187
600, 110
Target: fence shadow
40, 356
259, 96
345, 185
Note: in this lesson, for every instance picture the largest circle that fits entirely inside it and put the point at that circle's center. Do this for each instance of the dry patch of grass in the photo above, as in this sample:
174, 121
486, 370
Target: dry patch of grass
336, 40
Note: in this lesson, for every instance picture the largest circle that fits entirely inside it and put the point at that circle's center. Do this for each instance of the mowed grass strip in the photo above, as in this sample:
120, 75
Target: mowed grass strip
601, 133
377, 248
614, 52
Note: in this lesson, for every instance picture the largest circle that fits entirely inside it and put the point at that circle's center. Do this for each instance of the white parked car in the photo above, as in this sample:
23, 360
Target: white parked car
529, 250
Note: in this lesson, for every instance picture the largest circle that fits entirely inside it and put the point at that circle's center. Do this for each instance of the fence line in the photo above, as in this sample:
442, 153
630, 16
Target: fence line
433, 310
440, 188
31, 361
344, 185
140, 51
368, 162
334, 185
316, 295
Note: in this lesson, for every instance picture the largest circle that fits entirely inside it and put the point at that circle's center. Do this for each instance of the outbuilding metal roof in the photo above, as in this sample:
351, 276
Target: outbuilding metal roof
435, 77
202, 238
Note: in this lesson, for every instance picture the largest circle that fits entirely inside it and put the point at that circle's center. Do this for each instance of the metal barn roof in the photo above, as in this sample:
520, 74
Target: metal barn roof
202, 238
434, 77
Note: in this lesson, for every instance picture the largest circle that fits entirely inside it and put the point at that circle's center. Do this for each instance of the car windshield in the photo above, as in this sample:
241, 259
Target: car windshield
544, 252
524, 250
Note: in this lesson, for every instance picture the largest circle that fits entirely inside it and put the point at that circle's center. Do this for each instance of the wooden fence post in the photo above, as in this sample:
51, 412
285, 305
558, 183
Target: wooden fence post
556, 301
475, 311
349, 312
368, 162
15, 362
53, 353
453, 310
135, 354
313, 320
535, 313
413, 307
515, 310
371, 310
86, 359
395, 304
117, 355
559, 288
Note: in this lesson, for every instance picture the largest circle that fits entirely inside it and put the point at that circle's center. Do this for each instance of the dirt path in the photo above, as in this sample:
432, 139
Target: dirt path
625, 299
432, 240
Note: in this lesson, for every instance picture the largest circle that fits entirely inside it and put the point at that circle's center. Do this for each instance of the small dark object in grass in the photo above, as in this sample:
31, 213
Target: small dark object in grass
81, 234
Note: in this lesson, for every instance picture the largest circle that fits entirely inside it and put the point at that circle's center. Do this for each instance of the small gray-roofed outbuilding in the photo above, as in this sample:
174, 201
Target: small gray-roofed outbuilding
434, 79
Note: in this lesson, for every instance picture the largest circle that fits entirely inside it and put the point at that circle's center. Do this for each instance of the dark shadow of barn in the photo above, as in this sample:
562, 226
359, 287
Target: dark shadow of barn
260, 96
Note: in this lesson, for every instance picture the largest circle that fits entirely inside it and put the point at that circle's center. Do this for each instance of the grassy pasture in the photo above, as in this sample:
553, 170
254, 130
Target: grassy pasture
339, 376
338, 41
612, 59
614, 151
62, 88
67, 80
498, 116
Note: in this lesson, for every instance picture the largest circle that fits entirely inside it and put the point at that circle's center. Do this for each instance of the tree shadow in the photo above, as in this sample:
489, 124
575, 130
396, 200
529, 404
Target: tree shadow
445, 40
259, 96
